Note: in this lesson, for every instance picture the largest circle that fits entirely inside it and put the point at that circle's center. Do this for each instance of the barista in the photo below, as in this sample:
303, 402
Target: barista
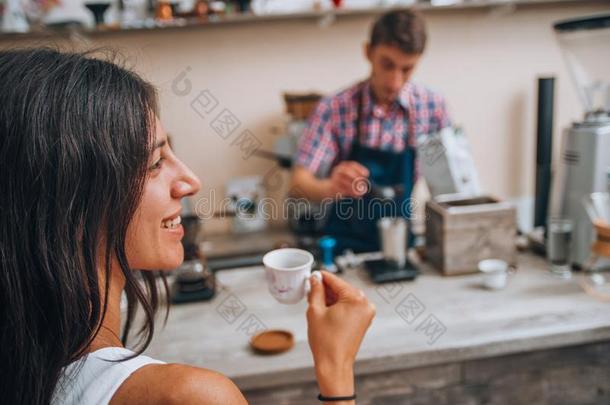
363, 138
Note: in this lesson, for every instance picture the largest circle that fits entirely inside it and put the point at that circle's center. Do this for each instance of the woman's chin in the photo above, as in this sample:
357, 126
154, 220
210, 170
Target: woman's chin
166, 258
172, 264
174, 258
165, 264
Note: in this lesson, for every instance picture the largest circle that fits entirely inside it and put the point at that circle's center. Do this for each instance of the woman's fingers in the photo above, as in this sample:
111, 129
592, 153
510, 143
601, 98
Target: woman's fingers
337, 286
331, 290
331, 296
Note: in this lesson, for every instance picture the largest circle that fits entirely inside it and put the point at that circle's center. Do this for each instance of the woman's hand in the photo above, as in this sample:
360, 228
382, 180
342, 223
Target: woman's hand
338, 317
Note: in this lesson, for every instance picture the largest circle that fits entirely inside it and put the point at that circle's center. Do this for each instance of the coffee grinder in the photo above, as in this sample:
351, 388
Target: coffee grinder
585, 152
194, 280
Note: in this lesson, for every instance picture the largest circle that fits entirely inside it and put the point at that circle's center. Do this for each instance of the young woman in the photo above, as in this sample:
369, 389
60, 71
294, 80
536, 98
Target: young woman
89, 206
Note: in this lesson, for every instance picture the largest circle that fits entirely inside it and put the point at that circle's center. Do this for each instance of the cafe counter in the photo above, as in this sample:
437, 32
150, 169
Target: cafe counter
435, 340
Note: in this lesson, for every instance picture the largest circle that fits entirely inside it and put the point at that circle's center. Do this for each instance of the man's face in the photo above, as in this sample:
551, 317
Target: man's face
391, 68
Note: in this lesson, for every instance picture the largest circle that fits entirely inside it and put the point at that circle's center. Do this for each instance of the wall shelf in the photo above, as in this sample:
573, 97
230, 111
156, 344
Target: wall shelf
322, 16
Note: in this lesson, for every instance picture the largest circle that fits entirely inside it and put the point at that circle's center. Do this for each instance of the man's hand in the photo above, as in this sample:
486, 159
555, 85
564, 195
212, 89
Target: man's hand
350, 179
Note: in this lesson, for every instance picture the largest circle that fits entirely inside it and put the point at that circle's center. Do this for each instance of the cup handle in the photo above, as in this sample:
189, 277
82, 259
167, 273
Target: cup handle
512, 269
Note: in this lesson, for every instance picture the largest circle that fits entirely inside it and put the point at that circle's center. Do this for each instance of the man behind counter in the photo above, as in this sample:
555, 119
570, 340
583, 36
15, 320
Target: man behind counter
366, 134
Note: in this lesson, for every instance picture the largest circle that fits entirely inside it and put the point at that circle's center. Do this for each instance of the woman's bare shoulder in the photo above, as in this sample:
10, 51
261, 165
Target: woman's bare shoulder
177, 384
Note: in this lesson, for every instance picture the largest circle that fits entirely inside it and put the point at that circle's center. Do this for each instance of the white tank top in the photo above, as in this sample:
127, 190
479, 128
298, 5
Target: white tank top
94, 380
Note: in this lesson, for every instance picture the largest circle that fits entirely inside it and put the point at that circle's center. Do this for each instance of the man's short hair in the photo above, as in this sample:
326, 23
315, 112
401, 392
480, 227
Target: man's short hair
405, 29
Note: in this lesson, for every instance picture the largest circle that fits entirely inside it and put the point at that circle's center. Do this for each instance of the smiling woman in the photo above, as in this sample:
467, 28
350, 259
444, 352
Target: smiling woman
78, 163
90, 196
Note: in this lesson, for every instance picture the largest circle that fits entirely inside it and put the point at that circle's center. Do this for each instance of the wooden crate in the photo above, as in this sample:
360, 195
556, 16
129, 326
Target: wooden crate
462, 232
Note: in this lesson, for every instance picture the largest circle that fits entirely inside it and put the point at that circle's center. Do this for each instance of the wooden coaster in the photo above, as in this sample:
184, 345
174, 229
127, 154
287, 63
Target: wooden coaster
272, 341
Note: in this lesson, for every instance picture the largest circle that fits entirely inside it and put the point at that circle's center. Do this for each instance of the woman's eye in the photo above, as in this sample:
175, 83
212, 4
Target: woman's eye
157, 164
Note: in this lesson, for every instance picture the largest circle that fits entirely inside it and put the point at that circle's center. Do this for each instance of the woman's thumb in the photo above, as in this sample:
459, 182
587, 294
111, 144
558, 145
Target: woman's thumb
316, 297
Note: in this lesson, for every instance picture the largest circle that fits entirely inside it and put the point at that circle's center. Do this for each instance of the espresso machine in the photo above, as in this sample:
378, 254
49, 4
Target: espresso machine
585, 150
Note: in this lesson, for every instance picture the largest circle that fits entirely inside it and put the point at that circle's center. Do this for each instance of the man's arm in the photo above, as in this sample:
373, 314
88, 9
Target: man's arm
304, 184
345, 180
318, 147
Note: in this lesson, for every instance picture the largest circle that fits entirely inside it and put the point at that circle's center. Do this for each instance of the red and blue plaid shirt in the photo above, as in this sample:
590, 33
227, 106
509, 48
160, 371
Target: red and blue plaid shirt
329, 135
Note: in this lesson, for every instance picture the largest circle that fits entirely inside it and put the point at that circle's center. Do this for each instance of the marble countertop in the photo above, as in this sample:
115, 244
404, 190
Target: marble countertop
432, 320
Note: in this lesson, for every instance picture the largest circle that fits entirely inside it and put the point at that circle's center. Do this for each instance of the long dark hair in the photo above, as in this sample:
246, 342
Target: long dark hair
75, 137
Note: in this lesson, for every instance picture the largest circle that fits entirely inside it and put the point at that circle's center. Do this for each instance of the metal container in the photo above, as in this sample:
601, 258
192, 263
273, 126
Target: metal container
393, 235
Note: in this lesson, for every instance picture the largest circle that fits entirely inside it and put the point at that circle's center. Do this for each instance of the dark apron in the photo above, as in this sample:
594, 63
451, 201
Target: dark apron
353, 221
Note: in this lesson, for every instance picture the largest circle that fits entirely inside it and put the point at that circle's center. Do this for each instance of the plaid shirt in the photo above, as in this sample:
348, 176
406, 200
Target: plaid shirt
329, 135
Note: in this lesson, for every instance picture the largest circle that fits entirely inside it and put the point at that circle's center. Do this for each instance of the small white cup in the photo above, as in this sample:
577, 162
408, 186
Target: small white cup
495, 273
287, 272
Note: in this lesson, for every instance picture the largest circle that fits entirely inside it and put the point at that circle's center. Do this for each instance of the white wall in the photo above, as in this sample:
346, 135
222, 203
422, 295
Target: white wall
485, 62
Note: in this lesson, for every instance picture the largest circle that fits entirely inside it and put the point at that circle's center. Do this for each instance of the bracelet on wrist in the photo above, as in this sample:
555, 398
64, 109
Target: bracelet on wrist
322, 398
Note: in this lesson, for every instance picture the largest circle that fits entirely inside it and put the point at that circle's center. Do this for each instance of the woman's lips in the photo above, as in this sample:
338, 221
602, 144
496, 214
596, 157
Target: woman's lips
177, 231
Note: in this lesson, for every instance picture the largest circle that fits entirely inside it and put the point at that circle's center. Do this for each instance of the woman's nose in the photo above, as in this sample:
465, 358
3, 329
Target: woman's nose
187, 183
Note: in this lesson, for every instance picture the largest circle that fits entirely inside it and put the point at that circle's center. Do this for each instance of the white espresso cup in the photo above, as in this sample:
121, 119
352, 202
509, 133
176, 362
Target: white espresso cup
495, 273
287, 272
